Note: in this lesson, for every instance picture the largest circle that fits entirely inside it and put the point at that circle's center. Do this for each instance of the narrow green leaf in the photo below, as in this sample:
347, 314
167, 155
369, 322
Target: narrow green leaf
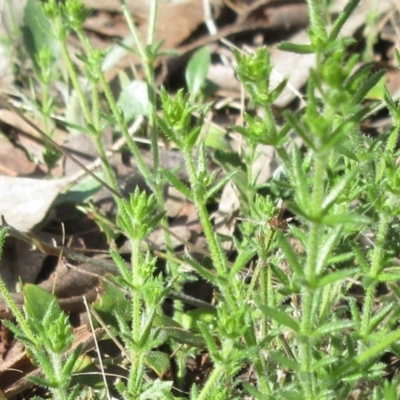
155, 220
241, 260
299, 127
299, 211
278, 90
343, 130
341, 20
69, 366
298, 233
346, 219
361, 260
340, 258
388, 277
328, 246
43, 382
296, 48
176, 183
282, 277
332, 327
290, 255
338, 189
391, 105
256, 394
3, 235
324, 362
378, 318
301, 181
383, 344
281, 317
332, 277
178, 332
205, 273
345, 151
168, 132
292, 365
216, 188
367, 86
350, 347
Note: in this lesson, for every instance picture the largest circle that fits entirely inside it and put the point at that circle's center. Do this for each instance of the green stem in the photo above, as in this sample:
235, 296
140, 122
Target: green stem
136, 282
12, 305
308, 290
377, 257
211, 381
154, 181
71, 70
217, 254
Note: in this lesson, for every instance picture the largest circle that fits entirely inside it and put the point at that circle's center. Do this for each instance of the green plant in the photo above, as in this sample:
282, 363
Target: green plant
47, 334
297, 321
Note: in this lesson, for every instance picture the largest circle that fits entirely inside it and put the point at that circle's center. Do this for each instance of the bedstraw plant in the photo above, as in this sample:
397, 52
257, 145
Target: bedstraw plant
297, 326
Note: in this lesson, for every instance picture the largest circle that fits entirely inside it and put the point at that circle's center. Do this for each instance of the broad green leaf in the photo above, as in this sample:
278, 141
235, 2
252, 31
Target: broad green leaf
112, 300
157, 361
37, 31
81, 192
37, 302
156, 390
192, 317
133, 100
215, 139
196, 71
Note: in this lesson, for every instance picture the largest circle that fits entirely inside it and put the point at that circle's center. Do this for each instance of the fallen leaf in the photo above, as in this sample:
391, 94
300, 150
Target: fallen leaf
24, 202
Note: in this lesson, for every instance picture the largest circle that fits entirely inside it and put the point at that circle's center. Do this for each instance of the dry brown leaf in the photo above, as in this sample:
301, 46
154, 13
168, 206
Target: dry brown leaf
13, 160
24, 202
